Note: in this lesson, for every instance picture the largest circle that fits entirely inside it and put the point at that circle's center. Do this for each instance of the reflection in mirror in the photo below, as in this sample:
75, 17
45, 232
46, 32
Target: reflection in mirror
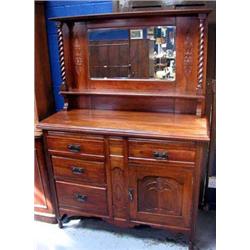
141, 53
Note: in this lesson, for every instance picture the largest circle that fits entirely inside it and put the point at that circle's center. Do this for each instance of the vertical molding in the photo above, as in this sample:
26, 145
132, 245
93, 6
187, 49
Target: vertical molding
108, 176
201, 53
51, 177
71, 55
62, 62
126, 175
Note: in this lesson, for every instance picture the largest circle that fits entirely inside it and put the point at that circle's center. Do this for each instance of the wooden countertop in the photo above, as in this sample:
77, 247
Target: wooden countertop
129, 123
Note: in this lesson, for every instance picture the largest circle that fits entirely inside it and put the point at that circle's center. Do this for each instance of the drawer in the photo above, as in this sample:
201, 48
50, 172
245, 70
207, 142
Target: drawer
79, 170
85, 198
76, 145
161, 150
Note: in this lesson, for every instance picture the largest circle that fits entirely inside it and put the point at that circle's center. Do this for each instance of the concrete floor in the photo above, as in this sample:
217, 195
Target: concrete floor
92, 234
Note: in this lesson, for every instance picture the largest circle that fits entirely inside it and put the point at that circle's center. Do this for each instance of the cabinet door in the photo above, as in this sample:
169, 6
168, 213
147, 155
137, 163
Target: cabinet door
160, 194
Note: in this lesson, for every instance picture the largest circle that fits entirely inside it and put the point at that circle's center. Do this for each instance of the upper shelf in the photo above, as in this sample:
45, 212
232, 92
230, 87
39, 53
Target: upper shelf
144, 93
164, 12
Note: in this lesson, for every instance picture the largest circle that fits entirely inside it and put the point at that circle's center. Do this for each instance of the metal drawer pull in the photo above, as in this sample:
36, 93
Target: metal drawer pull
130, 194
160, 155
74, 148
81, 197
77, 170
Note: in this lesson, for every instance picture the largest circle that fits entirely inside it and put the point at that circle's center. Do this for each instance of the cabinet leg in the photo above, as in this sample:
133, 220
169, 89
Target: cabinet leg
60, 223
63, 219
191, 245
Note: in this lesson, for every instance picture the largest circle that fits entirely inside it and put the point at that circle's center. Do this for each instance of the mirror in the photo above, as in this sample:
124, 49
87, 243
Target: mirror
136, 53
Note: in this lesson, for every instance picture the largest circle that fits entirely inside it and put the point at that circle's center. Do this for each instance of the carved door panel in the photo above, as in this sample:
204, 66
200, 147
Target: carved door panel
160, 194
119, 197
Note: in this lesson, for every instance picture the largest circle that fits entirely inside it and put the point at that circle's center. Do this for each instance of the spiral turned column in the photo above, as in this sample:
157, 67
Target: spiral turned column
61, 52
62, 62
201, 55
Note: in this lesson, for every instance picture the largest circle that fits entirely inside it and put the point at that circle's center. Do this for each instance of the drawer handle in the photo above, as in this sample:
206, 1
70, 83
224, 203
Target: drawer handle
81, 197
74, 148
160, 155
77, 170
130, 194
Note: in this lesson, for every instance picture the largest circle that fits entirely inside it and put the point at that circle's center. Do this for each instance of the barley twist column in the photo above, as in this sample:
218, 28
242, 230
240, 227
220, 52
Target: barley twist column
62, 63
61, 54
201, 55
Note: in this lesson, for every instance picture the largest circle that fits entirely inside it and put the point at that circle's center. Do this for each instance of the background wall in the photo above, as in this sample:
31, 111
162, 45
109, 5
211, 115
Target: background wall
67, 8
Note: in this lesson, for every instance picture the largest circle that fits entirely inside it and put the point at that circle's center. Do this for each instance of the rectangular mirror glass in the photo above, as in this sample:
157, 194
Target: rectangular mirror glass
138, 53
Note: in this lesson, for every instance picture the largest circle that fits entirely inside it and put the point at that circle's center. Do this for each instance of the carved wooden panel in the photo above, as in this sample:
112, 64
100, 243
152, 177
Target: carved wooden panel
160, 195
78, 54
75, 54
187, 42
188, 54
77, 49
118, 190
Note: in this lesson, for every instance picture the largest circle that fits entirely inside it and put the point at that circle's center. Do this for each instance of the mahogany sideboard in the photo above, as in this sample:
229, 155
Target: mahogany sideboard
130, 143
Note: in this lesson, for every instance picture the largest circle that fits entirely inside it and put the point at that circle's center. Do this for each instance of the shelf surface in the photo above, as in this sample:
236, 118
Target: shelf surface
128, 123
149, 93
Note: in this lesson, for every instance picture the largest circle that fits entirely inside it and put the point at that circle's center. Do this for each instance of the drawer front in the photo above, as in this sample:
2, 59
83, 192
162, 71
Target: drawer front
85, 198
79, 170
161, 150
76, 145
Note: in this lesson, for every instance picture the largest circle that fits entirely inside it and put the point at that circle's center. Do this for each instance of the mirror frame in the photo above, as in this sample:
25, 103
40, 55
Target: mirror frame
151, 64
130, 23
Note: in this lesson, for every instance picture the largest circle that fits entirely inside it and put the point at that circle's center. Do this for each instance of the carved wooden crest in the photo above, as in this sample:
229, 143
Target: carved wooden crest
78, 55
188, 54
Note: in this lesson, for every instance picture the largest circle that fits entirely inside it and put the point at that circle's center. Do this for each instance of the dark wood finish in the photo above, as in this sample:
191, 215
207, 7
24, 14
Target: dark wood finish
118, 183
79, 170
82, 197
161, 150
132, 23
136, 93
190, 67
44, 106
130, 151
139, 124
161, 194
76, 145
42, 197
43, 84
